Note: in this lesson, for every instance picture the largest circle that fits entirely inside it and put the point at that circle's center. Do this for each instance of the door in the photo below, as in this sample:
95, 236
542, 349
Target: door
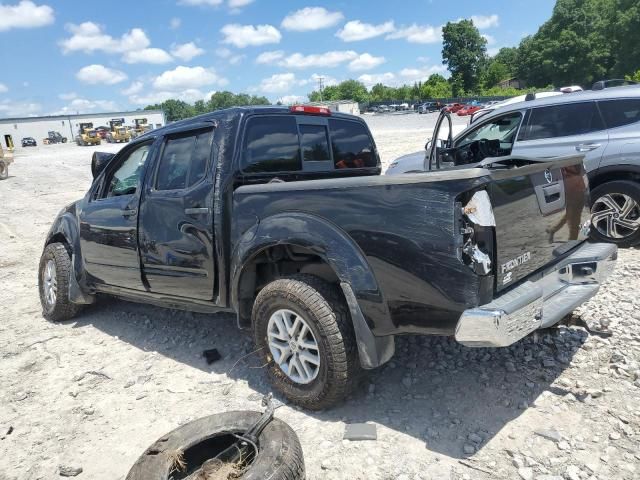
566, 129
176, 218
109, 221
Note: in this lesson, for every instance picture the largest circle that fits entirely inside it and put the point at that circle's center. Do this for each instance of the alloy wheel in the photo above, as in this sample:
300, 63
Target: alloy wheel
615, 215
293, 346
50, 283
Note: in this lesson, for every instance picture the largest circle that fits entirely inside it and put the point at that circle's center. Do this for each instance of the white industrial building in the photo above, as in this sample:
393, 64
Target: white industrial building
343, 106
13, 130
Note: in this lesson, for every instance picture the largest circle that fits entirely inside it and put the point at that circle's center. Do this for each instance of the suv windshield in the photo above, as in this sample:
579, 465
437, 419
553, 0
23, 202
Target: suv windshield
502, 129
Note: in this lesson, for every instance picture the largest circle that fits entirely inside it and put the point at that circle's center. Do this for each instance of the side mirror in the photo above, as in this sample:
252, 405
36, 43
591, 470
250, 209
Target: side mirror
99, 161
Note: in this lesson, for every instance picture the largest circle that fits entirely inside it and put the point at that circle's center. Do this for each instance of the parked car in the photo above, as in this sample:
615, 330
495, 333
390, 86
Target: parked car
103, 132
291, 227
29, 142
468, 110
428, 107
603, 125
510, 101
453, 107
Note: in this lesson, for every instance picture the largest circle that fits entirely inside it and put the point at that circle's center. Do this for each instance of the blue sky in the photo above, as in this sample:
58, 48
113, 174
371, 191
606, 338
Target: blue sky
68, 56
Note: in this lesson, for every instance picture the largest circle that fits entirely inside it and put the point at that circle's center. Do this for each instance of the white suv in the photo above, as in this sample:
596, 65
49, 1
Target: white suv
604, 125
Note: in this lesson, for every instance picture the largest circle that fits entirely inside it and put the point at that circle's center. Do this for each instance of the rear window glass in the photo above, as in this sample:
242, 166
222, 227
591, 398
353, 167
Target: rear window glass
271, 145
564, 120
618, 113
351, 144
314, 143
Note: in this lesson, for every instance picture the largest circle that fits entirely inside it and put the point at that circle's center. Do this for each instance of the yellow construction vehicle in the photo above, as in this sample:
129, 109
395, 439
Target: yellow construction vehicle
141, 126
118, 133
6, 158
87, 135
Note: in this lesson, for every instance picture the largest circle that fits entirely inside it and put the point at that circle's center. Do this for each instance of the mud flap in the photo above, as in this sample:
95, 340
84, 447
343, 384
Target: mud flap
76, 295
373, 351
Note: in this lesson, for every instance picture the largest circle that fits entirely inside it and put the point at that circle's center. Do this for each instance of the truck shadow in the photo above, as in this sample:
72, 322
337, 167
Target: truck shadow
434, 389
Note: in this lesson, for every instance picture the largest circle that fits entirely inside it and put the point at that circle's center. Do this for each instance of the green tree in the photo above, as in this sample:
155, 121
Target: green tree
464, 53
436, 86
177, 109
173, 109
495, 73
634, 77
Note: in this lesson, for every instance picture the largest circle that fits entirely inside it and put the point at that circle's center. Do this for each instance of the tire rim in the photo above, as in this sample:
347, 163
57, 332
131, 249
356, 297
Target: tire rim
50, 282
615, 215
293, 346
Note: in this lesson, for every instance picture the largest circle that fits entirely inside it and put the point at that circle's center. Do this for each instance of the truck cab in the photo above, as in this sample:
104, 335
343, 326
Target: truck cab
281, 216
87, 135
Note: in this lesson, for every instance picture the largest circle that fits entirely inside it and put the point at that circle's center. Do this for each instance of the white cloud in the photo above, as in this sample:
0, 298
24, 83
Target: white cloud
418, 34
68, 96
239, 3
82, 105
490, 40
10, 108
208, 3
292, 99
25, 14
311, 18
410, 75
147, 55
187, 95
243, 36
355, 30
365, 61
223, 52
135, 87
175, 23
94, 74
186, 51
404, 76
3, 88
370, 79
187, 77
485, 21
492, 52
236, 59
89, 37
327, 59
280, 82
270, 57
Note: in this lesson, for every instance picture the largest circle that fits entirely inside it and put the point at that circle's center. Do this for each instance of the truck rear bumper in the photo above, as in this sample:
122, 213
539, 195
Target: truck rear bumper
538, 303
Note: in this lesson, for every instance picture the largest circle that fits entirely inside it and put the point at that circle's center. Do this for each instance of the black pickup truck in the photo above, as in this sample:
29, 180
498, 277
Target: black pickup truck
281, 216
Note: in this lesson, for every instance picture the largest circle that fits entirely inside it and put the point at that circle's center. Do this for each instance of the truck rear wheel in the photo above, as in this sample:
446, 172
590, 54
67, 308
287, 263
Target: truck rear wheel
303, 331
53, 282
615, 213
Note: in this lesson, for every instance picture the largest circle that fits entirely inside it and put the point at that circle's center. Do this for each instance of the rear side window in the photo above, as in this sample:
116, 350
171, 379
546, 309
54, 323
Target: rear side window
351, 144
271, 145
618, 113
184, 161
564, 120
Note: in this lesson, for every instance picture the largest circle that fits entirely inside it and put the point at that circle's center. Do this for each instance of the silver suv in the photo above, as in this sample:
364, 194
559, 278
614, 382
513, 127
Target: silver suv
604, 125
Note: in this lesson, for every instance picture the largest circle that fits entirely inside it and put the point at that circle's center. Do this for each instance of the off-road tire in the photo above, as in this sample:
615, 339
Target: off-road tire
325, 311
626, 187
279, 452
4, 171
63, 309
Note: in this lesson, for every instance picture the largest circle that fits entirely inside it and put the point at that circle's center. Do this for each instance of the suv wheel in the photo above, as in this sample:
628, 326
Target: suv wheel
53, 282
615, 213
303, 331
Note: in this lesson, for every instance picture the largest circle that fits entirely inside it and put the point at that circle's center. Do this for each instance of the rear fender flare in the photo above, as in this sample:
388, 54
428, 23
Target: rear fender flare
341, 253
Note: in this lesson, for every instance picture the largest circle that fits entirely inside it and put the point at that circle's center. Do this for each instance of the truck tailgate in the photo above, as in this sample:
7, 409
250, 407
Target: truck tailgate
540, 210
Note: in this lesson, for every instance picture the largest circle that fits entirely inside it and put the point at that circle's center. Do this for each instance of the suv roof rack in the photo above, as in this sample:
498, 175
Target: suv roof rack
614, 82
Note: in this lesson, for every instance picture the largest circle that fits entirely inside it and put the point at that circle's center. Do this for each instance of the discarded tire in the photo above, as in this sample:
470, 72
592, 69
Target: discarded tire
180, 454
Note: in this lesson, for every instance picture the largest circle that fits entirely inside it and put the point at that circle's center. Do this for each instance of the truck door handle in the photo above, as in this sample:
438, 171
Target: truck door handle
587, 147
196, 211
129, 212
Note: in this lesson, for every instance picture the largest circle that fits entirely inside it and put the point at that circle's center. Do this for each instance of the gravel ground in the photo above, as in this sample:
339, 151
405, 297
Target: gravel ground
95, 392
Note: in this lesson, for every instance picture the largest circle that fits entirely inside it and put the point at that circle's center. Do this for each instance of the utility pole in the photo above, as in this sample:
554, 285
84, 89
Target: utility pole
320, 86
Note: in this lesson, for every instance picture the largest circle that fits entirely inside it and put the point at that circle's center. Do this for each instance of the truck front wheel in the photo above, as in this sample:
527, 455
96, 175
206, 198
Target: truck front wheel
303, 331
53, 282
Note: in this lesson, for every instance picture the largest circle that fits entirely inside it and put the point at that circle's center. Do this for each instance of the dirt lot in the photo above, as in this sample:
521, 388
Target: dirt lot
95, 392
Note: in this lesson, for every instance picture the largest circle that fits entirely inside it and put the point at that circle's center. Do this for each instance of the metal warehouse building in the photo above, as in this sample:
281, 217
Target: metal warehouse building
13, 130
343, 106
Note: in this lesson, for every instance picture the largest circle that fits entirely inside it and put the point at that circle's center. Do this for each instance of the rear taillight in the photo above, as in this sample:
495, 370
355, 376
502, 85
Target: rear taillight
477, 233
310, 110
